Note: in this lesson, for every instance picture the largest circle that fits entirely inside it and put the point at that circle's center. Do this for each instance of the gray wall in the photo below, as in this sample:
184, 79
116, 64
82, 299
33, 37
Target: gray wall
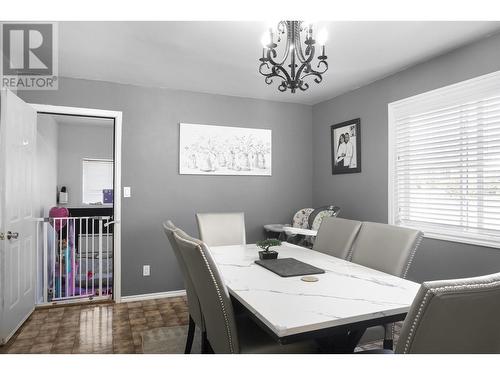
363, 196
150, 166
77, 142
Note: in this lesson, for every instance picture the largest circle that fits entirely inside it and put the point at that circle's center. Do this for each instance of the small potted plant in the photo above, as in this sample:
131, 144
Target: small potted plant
266, 245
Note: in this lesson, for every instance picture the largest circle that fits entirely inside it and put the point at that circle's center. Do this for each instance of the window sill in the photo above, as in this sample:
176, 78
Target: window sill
458, 239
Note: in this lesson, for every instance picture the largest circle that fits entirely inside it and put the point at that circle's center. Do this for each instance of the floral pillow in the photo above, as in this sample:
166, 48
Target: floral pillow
301, 218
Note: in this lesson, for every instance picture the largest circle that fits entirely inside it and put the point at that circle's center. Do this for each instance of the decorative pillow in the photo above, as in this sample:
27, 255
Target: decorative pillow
301, 217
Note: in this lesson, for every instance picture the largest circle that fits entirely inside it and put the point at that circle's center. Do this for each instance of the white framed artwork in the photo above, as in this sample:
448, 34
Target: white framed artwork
224, 150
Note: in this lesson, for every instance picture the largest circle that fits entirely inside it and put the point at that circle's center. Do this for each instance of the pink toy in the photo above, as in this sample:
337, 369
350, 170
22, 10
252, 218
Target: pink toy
58, 212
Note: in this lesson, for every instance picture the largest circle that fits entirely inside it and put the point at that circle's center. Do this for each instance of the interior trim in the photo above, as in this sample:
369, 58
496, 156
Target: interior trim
142, 297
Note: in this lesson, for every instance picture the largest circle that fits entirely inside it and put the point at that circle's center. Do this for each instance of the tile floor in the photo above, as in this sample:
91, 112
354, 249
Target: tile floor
101, 328
96, 328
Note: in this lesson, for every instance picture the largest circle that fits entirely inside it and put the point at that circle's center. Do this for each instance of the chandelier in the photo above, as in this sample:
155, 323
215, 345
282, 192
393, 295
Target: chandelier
296, 66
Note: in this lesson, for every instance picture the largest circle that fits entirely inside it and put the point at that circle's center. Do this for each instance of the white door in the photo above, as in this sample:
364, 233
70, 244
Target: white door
17, 227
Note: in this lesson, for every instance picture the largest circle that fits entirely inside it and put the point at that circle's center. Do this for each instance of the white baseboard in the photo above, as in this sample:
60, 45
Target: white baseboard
142, 297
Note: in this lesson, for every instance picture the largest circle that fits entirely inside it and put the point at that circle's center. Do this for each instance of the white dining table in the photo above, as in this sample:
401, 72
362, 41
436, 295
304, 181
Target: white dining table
347, 296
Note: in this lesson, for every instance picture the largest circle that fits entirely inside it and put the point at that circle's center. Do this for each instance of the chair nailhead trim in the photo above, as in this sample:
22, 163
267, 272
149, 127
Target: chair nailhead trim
226, 320
412, 254
434, 291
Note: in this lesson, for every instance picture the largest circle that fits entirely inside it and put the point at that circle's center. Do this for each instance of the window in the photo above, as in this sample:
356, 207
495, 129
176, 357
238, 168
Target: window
444, 162
97, 176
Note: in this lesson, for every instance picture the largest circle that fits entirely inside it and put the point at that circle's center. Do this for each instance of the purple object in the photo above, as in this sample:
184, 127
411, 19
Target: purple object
107, 195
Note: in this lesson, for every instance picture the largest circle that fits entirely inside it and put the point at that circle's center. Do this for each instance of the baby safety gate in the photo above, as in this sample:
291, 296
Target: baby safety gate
76, 256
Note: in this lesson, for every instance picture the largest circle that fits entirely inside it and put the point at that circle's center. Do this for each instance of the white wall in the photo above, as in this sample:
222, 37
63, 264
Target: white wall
76, 142
46, 156
46, 167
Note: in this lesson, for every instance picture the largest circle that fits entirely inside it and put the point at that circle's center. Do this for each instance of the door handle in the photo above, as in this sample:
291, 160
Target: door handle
12, 235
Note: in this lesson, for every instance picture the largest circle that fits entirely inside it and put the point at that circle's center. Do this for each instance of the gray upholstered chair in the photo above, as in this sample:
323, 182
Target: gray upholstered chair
336, 236
224, 333
454, 317
195, 316
387, 248
390, 249
221, 229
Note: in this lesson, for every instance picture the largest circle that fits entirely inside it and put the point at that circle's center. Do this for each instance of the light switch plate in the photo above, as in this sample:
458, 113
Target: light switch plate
126, 192
146, 270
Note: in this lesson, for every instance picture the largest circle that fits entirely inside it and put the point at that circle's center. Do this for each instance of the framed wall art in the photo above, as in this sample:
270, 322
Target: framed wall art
224, 150
346, 147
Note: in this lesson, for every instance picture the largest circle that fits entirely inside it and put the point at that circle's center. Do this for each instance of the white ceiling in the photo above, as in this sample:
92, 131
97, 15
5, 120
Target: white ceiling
222, 57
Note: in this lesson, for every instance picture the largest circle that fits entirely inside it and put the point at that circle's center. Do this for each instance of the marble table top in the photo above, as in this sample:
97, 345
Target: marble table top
346, 293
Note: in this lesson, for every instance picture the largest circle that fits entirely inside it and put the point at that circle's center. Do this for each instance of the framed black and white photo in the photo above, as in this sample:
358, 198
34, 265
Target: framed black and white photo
346, 147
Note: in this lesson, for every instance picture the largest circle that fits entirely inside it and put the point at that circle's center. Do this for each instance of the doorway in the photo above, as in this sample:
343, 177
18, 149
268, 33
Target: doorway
79, 208
20, 210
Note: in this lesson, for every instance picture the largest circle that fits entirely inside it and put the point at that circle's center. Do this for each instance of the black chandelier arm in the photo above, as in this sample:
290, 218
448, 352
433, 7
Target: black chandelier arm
318, 77
268, 77
309, 53
261, 66
282, 86
303, 85
274, 72
283, 71
324, 63
271, 53
303, 68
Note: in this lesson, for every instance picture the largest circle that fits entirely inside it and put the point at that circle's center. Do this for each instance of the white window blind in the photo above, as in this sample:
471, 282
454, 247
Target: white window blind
444, 162
97, 175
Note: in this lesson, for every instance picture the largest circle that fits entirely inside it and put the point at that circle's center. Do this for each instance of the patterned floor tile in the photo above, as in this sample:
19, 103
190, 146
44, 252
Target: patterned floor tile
100, 328
95, 328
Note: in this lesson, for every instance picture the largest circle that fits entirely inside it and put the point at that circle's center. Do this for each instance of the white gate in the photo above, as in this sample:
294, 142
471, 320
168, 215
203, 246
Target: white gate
77, 258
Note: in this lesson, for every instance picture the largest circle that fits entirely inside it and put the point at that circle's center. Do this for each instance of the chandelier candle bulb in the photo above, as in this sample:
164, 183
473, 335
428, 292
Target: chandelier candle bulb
295, 67
265, 40
322, 37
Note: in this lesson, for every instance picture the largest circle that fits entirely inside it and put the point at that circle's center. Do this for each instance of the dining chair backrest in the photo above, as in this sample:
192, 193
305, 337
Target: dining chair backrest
454, 316
301, 218
316, 217
192, 297
212, 293
336, 236
221, 229
387, 248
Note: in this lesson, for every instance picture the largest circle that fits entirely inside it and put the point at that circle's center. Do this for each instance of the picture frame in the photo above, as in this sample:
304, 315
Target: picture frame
346, 147
224, 150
